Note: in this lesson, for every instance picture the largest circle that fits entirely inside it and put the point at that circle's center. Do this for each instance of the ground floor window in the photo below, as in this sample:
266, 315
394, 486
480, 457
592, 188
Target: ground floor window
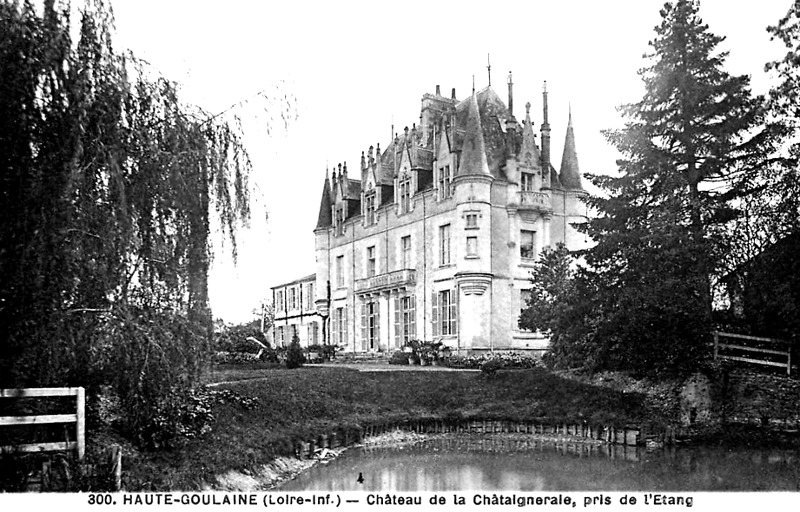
405, 328
444, 312
370, 325
280, 336
524, 298
340, 326
313, 333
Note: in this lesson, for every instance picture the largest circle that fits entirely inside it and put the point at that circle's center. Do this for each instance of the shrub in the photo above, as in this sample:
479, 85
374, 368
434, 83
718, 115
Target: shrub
399, 357
490, 367
295, 357
326, 352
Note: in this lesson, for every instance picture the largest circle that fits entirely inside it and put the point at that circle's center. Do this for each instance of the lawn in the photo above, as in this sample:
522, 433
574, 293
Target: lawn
300, 404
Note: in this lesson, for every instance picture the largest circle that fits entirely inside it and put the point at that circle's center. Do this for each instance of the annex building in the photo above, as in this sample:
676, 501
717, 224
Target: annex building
433, 236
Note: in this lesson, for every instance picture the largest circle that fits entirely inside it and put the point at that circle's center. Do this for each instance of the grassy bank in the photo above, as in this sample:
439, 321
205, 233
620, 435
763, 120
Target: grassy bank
299, 404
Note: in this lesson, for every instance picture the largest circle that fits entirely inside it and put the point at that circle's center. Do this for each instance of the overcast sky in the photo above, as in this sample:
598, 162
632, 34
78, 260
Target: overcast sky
354, 68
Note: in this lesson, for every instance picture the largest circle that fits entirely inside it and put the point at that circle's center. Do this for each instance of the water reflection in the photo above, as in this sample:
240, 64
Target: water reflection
501, 463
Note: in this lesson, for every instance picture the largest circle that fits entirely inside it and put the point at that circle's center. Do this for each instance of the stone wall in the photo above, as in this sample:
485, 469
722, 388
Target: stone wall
741, 396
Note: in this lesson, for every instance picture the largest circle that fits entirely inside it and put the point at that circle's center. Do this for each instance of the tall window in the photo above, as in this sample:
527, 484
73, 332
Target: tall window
527, 244
369, 208
370, 325
340, 326
472, 221
279, 300
371, 261
313, 333
444, 182
527, 182
340, 271
445, 312
472, 247
292, 298
444, 244
405, 252
405, 328
524, 297
310, 296
405, 196
281, 336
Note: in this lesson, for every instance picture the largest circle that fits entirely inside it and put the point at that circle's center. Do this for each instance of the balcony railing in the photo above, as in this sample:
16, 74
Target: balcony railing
535, 201
396, 279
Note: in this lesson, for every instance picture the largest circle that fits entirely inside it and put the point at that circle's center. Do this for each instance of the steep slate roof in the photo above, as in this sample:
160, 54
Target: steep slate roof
570, 175
354, 189
474, 159
324, 219
492, 112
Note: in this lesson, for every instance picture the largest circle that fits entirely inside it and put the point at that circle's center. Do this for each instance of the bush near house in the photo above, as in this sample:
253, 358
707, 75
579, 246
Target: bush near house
295, 356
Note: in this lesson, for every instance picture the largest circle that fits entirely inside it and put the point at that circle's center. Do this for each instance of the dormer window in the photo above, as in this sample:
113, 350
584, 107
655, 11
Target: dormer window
526, 184
405, 195
369, 208
444, 182
338, 220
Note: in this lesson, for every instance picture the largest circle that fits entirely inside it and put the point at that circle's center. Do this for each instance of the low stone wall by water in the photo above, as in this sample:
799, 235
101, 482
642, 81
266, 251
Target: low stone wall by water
741, 396
629, 436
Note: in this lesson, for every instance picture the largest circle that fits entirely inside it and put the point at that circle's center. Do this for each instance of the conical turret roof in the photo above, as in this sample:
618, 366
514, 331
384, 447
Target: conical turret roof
324, 219
570, 175
473, 150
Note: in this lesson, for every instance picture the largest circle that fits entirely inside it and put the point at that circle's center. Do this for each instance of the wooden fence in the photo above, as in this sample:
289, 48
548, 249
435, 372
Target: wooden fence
740, 343
78, 418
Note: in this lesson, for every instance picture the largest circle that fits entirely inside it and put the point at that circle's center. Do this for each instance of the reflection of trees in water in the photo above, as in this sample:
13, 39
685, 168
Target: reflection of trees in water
525, 464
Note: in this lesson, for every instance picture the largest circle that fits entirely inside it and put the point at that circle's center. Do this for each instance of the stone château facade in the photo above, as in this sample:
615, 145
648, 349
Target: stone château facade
433, 237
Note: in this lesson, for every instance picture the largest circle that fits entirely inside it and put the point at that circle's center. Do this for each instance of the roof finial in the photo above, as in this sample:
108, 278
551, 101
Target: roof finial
489, 69
569, 123
473, 84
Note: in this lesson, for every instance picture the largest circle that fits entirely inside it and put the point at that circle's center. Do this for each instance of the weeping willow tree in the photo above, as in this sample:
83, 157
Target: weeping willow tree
108, 184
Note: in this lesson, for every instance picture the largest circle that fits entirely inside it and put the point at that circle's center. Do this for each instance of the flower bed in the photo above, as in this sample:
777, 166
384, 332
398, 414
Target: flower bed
504, 359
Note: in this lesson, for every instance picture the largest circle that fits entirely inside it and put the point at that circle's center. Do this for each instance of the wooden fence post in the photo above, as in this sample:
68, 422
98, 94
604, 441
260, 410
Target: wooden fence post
80, 424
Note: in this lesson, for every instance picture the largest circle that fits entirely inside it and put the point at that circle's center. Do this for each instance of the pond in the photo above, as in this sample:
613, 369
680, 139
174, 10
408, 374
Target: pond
460, 463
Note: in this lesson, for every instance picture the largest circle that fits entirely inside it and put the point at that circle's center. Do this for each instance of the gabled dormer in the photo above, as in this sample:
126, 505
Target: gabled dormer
370, 195
530, 159
405, 184
444, 163
346, 198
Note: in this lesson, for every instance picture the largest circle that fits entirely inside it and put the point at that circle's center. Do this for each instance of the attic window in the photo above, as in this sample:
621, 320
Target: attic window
338, 220
405, 195
527, 182
444, 182
369, 208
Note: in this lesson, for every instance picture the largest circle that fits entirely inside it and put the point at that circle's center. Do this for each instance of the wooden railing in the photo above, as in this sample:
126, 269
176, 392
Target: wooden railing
760, 355
79, 444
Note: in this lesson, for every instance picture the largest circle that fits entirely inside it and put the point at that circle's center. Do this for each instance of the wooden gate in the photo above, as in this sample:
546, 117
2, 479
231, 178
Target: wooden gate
78, 418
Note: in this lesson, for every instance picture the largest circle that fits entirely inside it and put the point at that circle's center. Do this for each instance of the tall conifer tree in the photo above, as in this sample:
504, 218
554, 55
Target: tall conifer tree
690, 146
